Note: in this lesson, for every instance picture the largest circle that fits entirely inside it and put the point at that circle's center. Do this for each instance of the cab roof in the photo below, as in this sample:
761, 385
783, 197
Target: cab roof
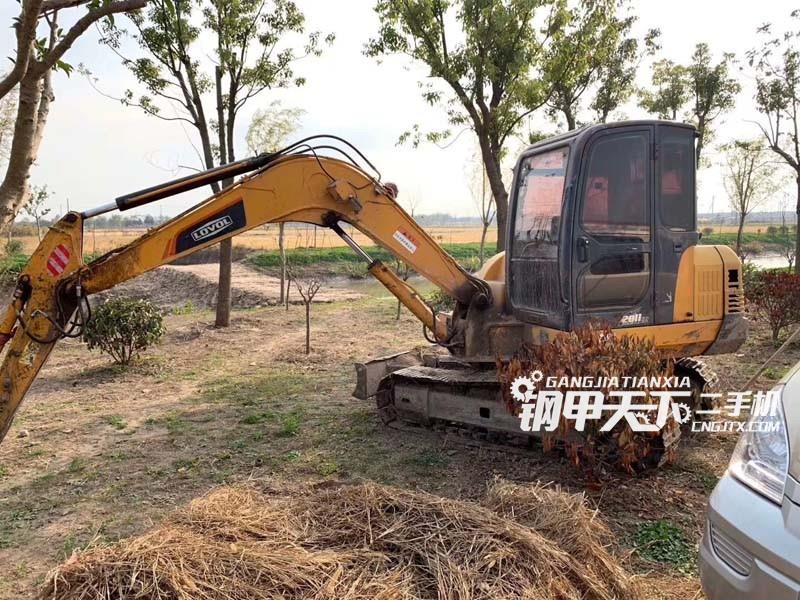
583, 133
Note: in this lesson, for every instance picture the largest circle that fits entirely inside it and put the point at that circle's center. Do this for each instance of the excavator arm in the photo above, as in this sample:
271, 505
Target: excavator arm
51, 298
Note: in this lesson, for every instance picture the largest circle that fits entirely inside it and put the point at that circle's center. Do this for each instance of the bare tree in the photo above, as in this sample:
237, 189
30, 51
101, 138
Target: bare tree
484, 201
307, 290
787, 247
749, 179
253, 53
270, 129
402, 268
37, 55
35, 208
776, 61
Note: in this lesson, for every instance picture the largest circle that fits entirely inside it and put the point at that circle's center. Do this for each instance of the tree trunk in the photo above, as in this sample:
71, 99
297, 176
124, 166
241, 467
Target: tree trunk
742, 217
570, 119
491, 162
282, 251
223, 317
483, 240
797, 231
224, 284
308, 327
33, 107
701, 130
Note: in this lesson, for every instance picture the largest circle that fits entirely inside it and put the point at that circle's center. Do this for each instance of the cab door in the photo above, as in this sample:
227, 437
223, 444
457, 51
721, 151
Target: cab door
675, 214
612, 258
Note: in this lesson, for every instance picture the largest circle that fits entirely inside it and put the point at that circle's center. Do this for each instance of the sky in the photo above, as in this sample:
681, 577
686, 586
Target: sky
95, 149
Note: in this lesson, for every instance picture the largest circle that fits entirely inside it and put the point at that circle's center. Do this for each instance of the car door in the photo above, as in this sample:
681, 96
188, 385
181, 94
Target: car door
612, 261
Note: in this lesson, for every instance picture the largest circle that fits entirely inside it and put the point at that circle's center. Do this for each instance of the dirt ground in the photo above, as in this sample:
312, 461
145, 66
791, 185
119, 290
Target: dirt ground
99, 452
250, 288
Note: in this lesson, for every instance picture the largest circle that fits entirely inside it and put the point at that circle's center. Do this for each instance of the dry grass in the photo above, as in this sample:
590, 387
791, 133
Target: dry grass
358, 542
568, 519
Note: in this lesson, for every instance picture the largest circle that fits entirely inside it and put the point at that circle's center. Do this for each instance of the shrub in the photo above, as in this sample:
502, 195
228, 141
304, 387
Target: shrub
772, 230
594, 350
11, 266
707, 230
775, 295
750, 273
440, 301
749, 249
122, 327
13, 247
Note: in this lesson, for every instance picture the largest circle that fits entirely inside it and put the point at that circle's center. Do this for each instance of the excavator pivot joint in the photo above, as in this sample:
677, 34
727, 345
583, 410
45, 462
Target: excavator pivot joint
342, 191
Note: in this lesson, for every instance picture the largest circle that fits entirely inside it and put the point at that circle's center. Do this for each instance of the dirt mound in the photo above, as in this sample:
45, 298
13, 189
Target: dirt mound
356, 542
174, 286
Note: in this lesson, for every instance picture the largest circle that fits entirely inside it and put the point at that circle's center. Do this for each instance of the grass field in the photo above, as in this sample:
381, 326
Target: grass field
100, 452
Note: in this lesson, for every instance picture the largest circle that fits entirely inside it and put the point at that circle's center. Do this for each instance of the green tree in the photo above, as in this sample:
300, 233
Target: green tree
591, 49
714, 92
705, 86
250, 57
749, 179
671, 90
487, 59
26, 91
617, 74
270, 129
776, 63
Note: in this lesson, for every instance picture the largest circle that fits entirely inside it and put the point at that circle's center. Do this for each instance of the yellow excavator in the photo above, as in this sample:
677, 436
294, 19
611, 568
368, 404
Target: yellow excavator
602, 226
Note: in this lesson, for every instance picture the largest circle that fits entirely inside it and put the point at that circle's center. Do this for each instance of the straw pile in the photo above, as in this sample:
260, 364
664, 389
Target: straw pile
357, 542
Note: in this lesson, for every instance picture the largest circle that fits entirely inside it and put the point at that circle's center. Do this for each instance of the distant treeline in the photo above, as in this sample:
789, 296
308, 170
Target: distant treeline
732, 218
119, 221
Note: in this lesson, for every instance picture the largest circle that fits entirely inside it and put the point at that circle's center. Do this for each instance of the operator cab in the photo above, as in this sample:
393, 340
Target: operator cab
599, 221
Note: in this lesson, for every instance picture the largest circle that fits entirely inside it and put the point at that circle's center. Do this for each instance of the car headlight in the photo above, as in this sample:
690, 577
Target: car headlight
761, 457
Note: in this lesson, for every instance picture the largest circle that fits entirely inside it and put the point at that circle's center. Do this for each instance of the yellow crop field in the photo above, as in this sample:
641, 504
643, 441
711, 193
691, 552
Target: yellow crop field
266, 238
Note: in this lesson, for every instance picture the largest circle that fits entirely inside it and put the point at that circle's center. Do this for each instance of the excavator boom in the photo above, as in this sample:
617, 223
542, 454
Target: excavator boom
50, 300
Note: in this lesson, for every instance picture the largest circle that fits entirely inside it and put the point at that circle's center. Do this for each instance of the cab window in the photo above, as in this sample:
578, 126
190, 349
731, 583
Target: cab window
540, 195
676, 181
615, 204
534, 269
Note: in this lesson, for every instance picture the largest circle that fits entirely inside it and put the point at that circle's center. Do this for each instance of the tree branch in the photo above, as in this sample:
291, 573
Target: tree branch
26, 34
81, 25
51, 5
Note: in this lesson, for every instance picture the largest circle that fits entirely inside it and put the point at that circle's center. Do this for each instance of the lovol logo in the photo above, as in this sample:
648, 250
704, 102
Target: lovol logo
210, 229
217, 225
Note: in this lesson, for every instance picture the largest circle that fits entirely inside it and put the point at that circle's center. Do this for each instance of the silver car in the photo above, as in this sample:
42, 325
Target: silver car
751, 543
